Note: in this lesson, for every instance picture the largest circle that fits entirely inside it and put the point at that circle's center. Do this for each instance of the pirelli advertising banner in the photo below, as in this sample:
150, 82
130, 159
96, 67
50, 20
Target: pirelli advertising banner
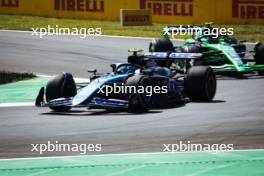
163, 11
132, 17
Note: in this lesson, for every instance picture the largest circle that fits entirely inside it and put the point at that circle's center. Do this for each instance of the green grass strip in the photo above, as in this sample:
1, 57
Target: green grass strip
251, 33
21, 91
235, 163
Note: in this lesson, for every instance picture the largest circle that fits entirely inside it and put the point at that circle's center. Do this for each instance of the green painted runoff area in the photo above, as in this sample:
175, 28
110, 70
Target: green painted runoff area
21, 91
235, 163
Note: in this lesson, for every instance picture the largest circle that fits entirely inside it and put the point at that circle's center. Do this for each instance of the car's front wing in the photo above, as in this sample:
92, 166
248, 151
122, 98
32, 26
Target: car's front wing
95, 103
244, 68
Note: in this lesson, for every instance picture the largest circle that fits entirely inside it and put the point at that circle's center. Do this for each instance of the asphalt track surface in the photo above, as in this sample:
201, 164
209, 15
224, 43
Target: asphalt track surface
236, 115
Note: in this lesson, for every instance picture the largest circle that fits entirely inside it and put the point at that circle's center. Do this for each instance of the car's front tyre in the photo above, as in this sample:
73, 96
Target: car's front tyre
138, 102
61, 86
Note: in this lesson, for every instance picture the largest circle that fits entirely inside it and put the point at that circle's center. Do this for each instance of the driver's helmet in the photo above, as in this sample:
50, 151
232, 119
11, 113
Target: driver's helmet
151, 63
126, 69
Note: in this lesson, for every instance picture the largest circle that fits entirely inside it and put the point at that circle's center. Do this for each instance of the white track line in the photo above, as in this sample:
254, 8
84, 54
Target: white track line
108, 36
77, 80
130, 154
111, 36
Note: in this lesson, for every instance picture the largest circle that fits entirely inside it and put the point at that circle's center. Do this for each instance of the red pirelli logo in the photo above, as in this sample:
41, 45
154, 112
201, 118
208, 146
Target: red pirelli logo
10, 3
79, 5
168, 7
248, 9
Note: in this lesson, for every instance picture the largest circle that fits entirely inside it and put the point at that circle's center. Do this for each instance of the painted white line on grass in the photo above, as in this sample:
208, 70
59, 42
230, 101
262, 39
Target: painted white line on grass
2, 105
18, 31
44, 76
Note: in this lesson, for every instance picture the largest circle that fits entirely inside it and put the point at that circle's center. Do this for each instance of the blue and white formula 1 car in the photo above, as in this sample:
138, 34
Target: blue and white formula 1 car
143, 70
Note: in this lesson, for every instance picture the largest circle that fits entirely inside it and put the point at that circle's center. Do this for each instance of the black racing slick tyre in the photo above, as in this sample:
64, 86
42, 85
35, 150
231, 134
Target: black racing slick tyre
138, 102
61, 86
200, 84
259, 56
161, 45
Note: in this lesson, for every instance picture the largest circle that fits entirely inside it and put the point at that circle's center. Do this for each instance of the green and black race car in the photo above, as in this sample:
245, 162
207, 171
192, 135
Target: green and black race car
224, 54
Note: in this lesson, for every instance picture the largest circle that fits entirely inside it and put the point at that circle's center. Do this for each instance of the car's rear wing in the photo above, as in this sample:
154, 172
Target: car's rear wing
172, 56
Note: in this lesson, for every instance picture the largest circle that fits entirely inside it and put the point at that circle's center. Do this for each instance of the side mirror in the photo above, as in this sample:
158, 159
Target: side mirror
113, 66
94, 71
222, 41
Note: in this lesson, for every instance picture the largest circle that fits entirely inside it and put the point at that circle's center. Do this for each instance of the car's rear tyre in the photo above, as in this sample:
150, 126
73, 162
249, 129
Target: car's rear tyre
259, 55
200, 84
61, 86
161, 45
138, 102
